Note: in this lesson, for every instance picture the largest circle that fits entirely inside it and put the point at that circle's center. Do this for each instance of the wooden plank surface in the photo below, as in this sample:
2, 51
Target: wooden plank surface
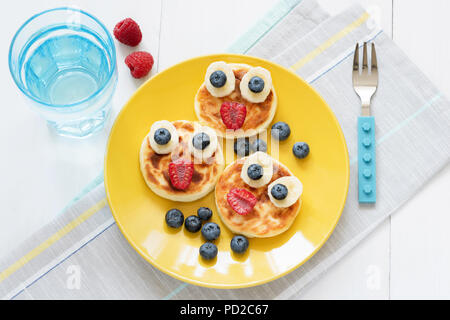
193, 28
406, 257
364, 272
40, 171
420, 257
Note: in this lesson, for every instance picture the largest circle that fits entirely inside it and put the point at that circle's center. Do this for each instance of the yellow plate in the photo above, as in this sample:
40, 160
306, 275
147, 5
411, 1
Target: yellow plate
139, 213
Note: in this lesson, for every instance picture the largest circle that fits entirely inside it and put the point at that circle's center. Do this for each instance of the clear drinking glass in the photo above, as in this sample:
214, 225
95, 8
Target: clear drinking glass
64, 61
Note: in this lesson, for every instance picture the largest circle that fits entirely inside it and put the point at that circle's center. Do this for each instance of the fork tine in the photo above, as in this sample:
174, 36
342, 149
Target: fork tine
356, 59
365, 56
374, 58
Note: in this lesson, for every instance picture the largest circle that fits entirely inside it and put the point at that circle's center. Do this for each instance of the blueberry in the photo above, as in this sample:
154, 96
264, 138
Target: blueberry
174, 218
300, 150
218, 78
193, 224
256, 84
259, 145
211, 231
162, 136
255, 171
201, 141
239, 244
281, 131
204, 213
279, 191
242, 147
208, 250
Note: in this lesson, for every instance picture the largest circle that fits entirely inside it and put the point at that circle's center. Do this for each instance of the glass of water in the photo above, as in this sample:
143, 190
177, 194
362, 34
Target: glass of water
64, 62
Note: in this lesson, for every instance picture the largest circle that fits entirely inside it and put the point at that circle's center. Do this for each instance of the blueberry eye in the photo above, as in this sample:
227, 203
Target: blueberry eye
218, 79
201, 140
279, 191
256, 84
162, 136
255, 171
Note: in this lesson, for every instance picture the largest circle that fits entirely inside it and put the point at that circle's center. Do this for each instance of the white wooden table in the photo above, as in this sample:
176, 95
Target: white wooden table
407, 257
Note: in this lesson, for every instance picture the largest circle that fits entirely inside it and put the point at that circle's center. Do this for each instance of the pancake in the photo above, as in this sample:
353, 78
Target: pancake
155, 167
259, 115
266, 219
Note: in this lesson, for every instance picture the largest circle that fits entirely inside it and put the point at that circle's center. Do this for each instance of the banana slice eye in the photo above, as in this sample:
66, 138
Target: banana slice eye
257, 170
203, 143
256, 84
285, 191
163, 137
219, 79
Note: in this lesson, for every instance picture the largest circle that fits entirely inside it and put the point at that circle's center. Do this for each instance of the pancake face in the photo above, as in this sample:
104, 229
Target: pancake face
155, 167
258, 116
266, 219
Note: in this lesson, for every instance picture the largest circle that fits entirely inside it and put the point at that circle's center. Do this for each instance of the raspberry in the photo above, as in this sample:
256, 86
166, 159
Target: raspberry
241, 200
180, 173
128, 32
233, 114
140, 63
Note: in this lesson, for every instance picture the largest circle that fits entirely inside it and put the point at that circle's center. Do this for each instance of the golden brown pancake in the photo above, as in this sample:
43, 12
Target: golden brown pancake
155, 168
265, 220
259, 115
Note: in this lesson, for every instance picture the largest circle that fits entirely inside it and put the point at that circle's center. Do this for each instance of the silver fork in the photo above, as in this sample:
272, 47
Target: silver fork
365, 84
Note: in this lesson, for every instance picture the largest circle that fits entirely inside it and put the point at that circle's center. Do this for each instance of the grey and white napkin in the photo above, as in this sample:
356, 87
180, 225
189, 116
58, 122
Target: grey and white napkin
82, 254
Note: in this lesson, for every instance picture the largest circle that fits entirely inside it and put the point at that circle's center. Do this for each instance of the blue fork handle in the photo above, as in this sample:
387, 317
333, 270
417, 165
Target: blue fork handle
366, 160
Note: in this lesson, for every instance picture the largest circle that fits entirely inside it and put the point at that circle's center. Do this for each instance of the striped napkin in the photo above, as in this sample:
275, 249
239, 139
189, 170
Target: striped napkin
82, 255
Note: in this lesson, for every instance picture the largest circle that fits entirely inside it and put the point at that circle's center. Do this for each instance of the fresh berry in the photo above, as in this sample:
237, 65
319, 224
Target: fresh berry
128, 32
281, 131
242, 147
233, 114
256, 84
218, 79
204, 213
208, 250
241, 200
211, 231
300, 150
239, 244
255, 171
193, 224
259, 145
174, 218
180, 173
200, 141
140, 63
162, 136
279, 191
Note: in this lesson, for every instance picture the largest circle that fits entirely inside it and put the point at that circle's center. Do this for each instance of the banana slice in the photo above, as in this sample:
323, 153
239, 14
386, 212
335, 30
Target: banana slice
294, 191
169, 146
219, 79
256, 84
265, 161
210, 135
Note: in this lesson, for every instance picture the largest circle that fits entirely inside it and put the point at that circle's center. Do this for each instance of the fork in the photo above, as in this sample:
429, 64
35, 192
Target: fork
365, 84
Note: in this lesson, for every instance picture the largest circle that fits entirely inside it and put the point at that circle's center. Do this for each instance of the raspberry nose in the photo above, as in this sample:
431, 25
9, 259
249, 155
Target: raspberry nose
233, 115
